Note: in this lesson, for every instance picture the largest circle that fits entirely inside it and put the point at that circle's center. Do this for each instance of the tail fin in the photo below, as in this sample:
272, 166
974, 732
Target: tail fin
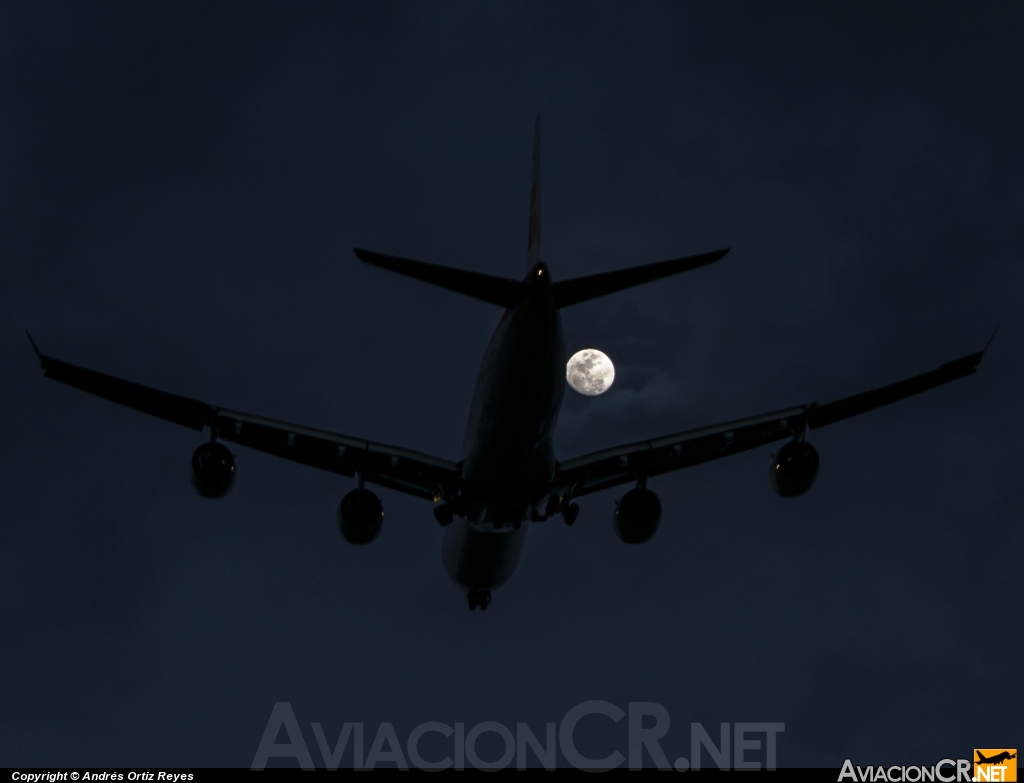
533, 243
508, 293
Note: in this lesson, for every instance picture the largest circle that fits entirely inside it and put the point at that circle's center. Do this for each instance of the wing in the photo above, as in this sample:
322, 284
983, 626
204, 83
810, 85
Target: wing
389, 466
623, 464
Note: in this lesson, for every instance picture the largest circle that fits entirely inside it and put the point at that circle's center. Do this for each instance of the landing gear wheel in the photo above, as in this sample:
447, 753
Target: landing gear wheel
571, 512
444, 514
554, 503
479, 598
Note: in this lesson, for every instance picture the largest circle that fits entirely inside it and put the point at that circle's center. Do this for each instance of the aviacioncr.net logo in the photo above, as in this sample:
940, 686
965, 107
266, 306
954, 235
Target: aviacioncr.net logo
945, 771
995, 764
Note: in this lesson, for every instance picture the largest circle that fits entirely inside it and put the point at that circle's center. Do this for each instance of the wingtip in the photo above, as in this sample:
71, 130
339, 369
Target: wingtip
716, 255
990, 339
35, 347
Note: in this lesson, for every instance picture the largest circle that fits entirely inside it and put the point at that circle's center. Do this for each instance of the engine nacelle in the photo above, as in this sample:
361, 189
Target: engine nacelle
360, 516
794, 469
637, 516
212, 470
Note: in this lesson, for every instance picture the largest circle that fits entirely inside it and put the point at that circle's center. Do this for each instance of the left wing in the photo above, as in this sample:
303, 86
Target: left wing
389, 466
623, 464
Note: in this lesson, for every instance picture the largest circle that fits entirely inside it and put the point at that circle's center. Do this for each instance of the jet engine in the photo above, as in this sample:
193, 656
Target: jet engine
360, 516
637, 515
794, 469
212, 470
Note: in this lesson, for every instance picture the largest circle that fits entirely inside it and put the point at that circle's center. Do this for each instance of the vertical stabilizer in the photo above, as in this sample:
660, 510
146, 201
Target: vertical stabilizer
533, 245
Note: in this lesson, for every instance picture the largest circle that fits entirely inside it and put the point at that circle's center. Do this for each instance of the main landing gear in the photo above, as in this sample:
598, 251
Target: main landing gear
479, 598
558, 504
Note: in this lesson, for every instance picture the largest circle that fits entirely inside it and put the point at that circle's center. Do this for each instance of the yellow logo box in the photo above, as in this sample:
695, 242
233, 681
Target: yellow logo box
998, 764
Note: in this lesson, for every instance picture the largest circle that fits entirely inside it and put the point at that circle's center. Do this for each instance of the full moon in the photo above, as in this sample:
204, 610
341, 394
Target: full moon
590, 372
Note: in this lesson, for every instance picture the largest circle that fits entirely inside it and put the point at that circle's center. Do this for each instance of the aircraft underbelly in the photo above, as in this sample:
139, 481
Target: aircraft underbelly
508, 445
479, 558
508, 455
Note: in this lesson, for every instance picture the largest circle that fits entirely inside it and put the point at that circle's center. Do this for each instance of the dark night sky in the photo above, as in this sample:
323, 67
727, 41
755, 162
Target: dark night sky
181, 188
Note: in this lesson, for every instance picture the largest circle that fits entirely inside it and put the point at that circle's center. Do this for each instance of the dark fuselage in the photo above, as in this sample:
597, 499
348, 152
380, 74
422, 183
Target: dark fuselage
508, 457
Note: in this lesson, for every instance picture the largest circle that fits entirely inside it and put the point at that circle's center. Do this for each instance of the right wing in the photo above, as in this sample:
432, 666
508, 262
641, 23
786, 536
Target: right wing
389, 466
622, 464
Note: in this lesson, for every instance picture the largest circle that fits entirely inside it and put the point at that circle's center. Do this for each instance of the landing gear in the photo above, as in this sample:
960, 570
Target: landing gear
479, 598
553, 507
444, 514
558, 505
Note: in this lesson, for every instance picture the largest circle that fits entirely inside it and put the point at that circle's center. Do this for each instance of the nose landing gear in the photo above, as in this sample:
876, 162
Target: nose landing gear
479, 598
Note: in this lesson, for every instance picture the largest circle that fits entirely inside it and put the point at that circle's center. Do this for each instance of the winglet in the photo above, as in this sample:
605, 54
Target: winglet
990, 339
34, 346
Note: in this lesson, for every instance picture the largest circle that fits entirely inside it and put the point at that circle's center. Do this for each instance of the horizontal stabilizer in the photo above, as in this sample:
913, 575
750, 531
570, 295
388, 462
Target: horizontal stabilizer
580, 289
507, 293
497, 290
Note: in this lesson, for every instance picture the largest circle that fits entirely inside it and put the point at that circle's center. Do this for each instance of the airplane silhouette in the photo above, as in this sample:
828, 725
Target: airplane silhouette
508, 473
999, 757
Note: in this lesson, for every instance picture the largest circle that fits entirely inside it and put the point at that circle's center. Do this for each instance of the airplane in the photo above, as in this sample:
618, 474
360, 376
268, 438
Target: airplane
996, 759
508, 473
